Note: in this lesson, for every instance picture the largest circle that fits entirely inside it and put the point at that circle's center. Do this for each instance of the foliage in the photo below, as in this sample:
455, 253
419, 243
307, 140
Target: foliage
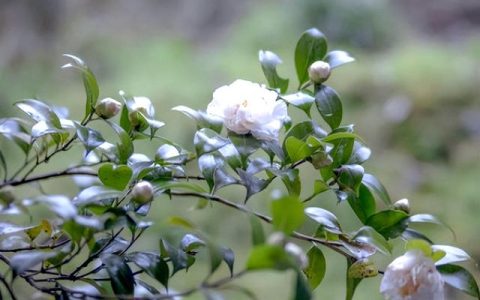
89, 238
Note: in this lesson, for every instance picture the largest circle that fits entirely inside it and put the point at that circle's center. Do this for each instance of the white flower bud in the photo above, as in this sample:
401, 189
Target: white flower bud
142, 192
247, 107
402, 205
412, 276
141, 105
298, 254
108, 108
319, 71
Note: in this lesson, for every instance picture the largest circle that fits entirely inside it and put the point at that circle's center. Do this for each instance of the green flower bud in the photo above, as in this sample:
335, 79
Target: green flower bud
6, 196
402, 205
319, 71
108, 108
142, 192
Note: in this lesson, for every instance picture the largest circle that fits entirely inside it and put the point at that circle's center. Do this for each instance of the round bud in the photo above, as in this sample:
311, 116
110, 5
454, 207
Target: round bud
402, 205
319, 71
142, 192
108, 108
298, 254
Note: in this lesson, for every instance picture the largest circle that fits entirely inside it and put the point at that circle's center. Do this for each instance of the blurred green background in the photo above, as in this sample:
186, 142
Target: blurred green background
413, 93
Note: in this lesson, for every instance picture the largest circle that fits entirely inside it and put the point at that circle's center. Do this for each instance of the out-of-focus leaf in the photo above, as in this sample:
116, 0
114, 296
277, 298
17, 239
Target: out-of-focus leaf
389, 223
207, 140
377, 188
229, 258
311, 46
336, 58
329, 106
121, 276
352, 283
287, 214
258, 234
362, 268
89, 82
191, 243
179, 258
291, 179
90, 138
20, 262
316, 267
325, 218
452, 254
115, 176
269, 61
269, 257
95, 195
59, 204
302, 288
153, 265
301, 100
409, 234
427, 218
43, 128
182, 222
370, 236
459, 278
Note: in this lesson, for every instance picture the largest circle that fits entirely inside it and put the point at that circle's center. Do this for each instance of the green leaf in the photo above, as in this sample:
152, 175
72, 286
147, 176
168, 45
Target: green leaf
152, 264
269, 62
364, 205
179, 221
207, 140
228, 257
360, 153
311, 46
191, 243
180, 260
352, 283
121, 276
339, 136
302, 288
125, 147
316, 267
291, 179
89, 82
203, 119
258, 234
350, 177
20, 262
377, 188
269, 257
296, 149
329, 106
370, 236
39, 111
319, 186
427, 218
89, 137
389, 223
452, 254
231, 155
287, 214
300, 100
246, 144
362, 268
252, 183
214, 172
459, 278
115, 176
336, 58
14, 130
325, 218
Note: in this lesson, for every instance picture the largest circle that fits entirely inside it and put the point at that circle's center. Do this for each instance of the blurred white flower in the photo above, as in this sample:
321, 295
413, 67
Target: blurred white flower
247, 107
412, 276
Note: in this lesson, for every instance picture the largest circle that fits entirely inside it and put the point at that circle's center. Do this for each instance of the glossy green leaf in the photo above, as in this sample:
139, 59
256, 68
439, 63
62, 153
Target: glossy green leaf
389, 223
459, 278
14, 130
291, 180
409, 234
207, 140
428, 218
89, 137
360, 153
296, 149
269, 257
191, 242
121, 276
364, 204
336, 58
180, 260
115, 176
125, 146
452, 254
325, 218
352, 283
329, 106
418, 244
258, 234
89, 82
269, 61
231, 155
349, 177
95, 195
362, 268
39, 111
20, 262
302, 288
245, 144
319, 187
311, 46
300, 100
228, 257
316, 267
43, 128
214, 172
377, 188
203, 119
153, 265
252, 183
287, 214
370, 236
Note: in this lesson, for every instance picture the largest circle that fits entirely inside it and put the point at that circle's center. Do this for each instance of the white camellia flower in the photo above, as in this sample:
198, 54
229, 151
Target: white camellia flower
412, 276
247, 107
